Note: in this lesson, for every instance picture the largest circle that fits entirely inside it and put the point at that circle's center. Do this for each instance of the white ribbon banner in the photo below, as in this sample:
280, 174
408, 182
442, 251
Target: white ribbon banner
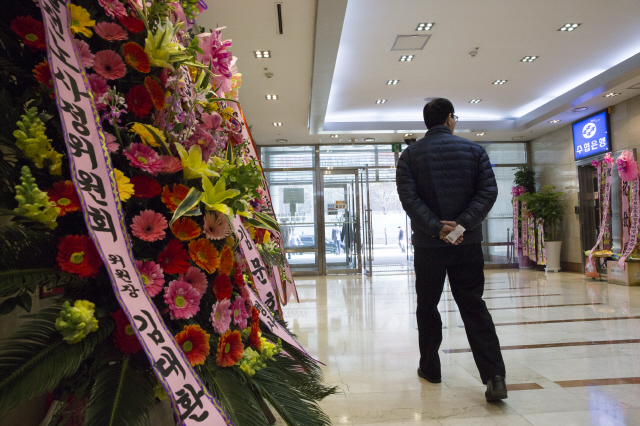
95, 182
525, 230
516, 210
635, 218
605, 214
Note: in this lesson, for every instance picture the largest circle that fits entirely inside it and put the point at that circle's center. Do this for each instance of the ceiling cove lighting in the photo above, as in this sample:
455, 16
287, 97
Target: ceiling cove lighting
475, 101
612, 94
500, 82
262, 54
569, 27
277, 124
381, 101
406, 58
554, 121
529, 58
392, 82
480, 134
425, 26
335, 136
272, 97
580, 109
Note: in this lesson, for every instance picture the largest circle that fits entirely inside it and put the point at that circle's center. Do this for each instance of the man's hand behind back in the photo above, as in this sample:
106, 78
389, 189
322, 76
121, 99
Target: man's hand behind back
448, 227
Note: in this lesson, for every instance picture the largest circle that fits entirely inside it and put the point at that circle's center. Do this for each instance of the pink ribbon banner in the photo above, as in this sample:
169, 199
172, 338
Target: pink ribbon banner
264, 287
625, 186
635, 218
605, 214
516, 211
525, 230
95, 182
542, 251
532, 238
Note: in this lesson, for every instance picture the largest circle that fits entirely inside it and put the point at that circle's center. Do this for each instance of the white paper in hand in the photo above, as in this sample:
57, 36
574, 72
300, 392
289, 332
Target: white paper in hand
453, 236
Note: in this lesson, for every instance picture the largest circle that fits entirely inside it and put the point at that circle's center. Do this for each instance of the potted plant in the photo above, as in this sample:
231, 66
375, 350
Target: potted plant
526, 178
546, 205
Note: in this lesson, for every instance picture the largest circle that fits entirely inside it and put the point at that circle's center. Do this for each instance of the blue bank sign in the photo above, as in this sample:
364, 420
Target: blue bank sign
591, 136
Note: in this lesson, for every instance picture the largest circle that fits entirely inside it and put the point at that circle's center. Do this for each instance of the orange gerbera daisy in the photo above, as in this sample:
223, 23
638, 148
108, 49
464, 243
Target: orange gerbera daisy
205, 255
226, 260
230, 349
194, 341
185, 229
156, 92
135, 56
173, 197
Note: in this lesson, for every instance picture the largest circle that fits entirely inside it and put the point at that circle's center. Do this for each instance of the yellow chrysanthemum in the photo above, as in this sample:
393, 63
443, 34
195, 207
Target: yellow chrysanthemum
81, 20
125, 187
146, 135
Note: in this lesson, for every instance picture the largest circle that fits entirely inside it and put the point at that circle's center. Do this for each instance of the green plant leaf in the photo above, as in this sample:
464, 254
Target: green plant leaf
8, 305
265, 221
121, 396
15, 280
158, 139
190, 201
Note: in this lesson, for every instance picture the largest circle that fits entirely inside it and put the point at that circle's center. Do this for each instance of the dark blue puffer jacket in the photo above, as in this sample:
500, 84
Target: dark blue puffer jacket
445, 177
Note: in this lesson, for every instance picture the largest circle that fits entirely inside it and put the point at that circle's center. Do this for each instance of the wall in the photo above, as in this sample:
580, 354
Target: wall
552, 160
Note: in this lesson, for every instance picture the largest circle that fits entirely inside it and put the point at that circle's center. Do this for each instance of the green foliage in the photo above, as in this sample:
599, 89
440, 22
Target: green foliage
121, 396
22, 244
546, 205
29, 280
36, 358
33, 203
526, 177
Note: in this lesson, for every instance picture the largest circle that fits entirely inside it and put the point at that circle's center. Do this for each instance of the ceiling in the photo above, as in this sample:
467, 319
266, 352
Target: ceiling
335, 57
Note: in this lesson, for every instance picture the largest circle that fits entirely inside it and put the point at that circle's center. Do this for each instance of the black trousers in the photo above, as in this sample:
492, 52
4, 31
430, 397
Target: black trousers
465, 266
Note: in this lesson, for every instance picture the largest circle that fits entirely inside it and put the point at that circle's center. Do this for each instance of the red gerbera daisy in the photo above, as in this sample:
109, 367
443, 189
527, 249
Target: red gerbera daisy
78, 255
42, 73
139, 101
135, 56
124, 337
133, 25
185, 229
230, 348
173, 197
146, 187
174, 259
194, 341
31, 31
254, 337
65, 196
222, 287
156, 92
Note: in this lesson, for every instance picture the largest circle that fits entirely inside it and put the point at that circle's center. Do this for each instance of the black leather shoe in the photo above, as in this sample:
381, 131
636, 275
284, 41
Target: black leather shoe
496, 389
427, 378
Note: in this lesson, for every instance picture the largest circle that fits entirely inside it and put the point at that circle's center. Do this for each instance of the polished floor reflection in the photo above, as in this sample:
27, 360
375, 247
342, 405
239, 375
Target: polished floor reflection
571, 348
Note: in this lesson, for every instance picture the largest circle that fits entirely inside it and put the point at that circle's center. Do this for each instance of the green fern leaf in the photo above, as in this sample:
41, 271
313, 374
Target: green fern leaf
29, 279
121, 396
22, 245
36, 359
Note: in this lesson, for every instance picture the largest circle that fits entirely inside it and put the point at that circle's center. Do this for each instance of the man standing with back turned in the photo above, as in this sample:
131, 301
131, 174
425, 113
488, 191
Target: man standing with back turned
445, 181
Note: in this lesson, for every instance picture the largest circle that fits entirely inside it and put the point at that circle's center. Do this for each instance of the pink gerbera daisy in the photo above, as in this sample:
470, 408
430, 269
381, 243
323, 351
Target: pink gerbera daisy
170, 164
221, 316
113, 8
85, 54
112, 144
152, 276
110, 31
149, 226
109, 65
144, 158
239, 313
98, 84
196, 278
216, 226
183, 299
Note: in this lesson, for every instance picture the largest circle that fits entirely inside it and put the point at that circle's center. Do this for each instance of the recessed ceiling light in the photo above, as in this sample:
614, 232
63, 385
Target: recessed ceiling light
369, 139
529, 59
334, 136
393, 82
554, 121
580, 109
500, 82
262, 54
569, 27
406, 58
277, 124
381, 101
612, 94
425, 26
480, 134
281, 141
475, 101
406, 135
272, 97
515, 138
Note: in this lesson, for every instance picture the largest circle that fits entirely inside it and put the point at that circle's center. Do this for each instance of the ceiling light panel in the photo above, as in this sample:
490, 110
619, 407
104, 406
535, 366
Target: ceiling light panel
277, 124
261, 54
580, 109
406, 58
369, 139
500, 82
554, 121
612, 94
529, 59
569, 27
475, 101
480, 134
381, 101
272, 97
406, 135
334, 136
425, 26
392, 82
411, 42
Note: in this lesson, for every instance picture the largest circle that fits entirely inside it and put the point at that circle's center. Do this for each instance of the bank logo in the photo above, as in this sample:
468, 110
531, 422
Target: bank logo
589, 130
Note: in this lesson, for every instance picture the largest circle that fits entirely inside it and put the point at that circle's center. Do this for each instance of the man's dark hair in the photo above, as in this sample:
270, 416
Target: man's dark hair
436, 112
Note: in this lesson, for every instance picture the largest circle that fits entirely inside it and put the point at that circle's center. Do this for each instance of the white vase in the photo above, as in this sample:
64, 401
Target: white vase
553, 255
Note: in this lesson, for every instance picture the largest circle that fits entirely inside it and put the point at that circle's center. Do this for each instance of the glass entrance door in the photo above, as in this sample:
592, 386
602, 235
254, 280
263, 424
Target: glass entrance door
339, 243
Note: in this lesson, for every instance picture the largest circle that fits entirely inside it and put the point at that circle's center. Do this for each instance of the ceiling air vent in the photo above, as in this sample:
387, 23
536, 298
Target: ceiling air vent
279, 28
410, 42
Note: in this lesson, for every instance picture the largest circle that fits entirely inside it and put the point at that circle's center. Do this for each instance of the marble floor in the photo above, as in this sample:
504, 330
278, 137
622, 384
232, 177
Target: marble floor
571, 348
